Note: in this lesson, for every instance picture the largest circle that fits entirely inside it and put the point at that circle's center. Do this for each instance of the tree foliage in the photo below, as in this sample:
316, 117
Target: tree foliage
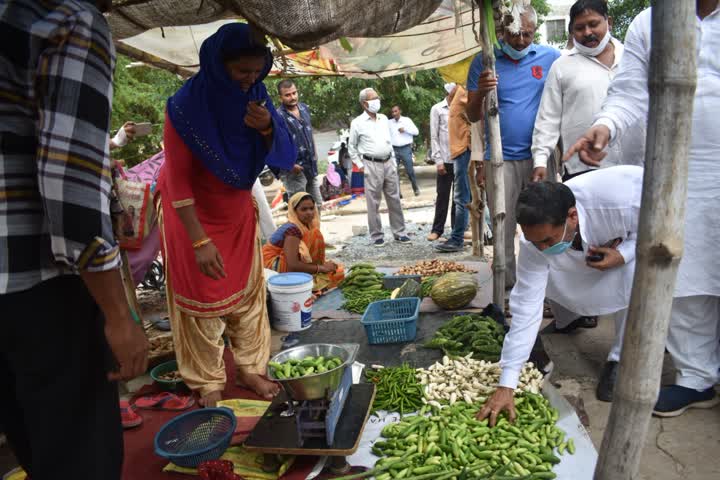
141, 93
623, 12
334, 101
139, 96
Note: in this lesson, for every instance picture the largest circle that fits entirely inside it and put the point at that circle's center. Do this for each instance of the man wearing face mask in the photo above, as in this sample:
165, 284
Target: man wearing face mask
575, 89
694, 330
370, 146
577, 248
522, 68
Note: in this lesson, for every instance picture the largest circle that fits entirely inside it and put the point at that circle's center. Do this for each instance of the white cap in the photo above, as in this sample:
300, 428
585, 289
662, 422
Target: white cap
449, 87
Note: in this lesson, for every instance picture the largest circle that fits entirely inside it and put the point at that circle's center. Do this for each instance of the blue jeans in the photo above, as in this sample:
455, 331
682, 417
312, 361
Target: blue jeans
462, 198
404, 154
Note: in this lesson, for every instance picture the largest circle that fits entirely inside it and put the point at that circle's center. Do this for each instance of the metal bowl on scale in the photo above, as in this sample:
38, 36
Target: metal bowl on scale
318, 385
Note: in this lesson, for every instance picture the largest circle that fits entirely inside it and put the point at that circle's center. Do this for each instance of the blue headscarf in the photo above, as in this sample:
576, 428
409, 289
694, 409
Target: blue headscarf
208, 113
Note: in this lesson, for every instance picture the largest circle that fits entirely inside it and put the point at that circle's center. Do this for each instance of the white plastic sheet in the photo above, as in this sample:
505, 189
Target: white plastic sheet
572, 467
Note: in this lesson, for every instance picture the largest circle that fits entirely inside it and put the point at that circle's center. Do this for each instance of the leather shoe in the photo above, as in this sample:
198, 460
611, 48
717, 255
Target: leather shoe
432, 237
606, 384
580, 322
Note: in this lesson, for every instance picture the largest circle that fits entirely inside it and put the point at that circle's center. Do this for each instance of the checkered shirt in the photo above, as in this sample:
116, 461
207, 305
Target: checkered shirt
56, 64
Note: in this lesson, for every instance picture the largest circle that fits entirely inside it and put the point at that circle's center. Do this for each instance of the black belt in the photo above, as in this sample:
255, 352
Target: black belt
373, 159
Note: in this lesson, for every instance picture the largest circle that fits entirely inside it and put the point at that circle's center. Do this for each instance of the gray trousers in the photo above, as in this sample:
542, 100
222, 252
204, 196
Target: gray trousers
382, 177
301, 182
518, 174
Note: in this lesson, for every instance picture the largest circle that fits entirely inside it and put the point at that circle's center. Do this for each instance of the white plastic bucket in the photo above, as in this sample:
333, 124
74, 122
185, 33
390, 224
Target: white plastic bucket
291, 296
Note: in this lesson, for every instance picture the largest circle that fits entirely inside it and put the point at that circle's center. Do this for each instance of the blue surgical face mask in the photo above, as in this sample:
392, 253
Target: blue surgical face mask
560, 247
515, 54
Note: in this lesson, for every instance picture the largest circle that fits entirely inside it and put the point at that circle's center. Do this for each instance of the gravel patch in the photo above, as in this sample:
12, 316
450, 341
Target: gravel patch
358, 249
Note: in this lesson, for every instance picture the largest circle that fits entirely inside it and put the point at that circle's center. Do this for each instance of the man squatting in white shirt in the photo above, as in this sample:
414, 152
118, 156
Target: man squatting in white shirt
563, 226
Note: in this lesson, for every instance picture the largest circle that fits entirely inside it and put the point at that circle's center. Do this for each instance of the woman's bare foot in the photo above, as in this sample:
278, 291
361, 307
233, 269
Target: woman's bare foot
261, 386
210, 400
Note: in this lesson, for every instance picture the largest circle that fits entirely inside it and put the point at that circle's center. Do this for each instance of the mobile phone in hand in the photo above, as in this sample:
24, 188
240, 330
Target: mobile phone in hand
142, 129
595, 257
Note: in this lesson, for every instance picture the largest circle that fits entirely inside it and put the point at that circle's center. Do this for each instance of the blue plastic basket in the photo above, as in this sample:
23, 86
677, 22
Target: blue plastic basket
196, 437
391, 321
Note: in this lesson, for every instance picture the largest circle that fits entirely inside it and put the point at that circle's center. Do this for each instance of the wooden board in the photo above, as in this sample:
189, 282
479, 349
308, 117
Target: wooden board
276, 434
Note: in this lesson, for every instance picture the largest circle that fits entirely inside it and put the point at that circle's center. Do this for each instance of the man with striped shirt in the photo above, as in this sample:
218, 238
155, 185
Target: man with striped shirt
66, 334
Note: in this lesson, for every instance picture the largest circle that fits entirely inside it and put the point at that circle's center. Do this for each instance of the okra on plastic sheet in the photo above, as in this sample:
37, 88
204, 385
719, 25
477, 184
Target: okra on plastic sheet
579, 466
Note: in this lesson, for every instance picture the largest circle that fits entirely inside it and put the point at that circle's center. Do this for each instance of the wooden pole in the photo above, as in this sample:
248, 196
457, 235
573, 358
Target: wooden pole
496, 163
476, 209
150, 59
671, 80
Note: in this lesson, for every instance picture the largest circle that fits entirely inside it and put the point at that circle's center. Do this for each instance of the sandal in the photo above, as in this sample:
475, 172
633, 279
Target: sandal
165, 401
129, 418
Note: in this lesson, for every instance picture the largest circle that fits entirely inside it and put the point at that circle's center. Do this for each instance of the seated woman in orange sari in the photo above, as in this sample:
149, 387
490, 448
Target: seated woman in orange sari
298, 246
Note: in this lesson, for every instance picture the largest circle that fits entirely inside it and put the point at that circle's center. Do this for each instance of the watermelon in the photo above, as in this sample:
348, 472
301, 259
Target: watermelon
454, 290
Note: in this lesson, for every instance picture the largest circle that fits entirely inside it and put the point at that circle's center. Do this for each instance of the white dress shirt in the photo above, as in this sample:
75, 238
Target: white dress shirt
608, 205
574, 91
439, 134
398, 138
627, 101
370, 137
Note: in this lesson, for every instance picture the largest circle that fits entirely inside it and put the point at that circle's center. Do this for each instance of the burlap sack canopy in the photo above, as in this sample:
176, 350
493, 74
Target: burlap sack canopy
300, 24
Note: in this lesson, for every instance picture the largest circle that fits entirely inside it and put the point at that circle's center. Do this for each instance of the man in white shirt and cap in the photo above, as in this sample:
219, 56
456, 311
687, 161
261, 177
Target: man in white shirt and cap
694, 330
573, 94
402, 136
440, 148
370, 146
578, 249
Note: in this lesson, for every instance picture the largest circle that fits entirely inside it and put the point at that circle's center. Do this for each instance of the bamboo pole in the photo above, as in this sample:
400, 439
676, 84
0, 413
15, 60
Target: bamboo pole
150, 59
496, 162
476, 209
671, 79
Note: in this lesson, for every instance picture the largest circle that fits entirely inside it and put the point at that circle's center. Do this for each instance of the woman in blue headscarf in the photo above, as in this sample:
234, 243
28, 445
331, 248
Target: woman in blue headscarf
221, 129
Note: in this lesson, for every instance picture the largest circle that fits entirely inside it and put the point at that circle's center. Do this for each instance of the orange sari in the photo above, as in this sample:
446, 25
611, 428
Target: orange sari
311, 251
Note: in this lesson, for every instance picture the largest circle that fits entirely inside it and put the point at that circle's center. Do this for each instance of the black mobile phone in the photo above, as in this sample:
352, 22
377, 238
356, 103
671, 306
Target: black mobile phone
595, 257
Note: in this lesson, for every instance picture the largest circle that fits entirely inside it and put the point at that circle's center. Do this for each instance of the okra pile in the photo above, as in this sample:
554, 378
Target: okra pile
476, 334
307, 366
396, 389
440, 440
361, 287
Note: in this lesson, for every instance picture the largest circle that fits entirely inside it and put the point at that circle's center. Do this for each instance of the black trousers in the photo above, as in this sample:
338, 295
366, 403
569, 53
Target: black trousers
57, 408
444, 184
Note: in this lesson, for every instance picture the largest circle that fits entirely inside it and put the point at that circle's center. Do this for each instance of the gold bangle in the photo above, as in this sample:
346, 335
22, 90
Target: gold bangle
267, 132
201, 243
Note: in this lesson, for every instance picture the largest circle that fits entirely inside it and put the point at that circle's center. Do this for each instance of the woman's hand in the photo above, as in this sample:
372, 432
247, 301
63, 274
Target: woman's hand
327, 267
210, 262
257, 117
